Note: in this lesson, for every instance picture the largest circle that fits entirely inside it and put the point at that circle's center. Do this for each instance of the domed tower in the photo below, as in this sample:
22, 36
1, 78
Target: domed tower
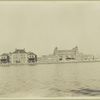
75, 49
55, 50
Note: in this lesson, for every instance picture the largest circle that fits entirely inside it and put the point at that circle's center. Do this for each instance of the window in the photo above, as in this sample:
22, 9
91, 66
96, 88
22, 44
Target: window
60, 59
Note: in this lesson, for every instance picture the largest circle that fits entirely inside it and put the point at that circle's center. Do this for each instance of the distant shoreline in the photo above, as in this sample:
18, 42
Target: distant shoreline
72, 62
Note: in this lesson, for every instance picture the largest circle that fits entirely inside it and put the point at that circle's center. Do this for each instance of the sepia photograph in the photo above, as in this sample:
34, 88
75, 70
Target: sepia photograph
49, 49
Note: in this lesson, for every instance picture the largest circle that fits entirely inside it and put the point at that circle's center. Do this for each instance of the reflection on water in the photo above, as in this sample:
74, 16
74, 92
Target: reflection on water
89, 92
50, 80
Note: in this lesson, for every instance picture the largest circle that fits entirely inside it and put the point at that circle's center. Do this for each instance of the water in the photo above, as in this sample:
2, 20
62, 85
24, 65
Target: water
50, 80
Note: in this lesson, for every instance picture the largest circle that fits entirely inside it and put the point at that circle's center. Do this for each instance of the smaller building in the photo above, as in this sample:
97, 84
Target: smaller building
47, 59
85, 57
88, 57
4, 58
31, 57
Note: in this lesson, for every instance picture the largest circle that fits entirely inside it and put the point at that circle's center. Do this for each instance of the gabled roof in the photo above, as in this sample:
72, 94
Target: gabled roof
31, 53
4, 54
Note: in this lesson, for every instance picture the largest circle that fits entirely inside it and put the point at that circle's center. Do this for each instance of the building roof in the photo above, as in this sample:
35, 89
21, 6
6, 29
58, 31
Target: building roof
31, 53
19, 51
64, 52
4, 54
73, 50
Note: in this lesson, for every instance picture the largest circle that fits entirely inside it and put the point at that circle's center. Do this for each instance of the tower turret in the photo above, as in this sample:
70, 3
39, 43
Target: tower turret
55, 50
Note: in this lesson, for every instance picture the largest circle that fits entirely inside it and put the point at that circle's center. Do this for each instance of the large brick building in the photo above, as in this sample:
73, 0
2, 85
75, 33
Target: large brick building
72, 55
65, 55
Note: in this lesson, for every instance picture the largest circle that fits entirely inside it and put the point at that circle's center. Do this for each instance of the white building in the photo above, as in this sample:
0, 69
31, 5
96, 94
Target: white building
20, 56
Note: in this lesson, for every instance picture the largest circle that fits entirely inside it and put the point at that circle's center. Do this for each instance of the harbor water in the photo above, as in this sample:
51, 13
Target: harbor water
50, 80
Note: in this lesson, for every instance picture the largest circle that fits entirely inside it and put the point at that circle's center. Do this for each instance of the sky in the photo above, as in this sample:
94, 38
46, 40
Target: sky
40, 26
